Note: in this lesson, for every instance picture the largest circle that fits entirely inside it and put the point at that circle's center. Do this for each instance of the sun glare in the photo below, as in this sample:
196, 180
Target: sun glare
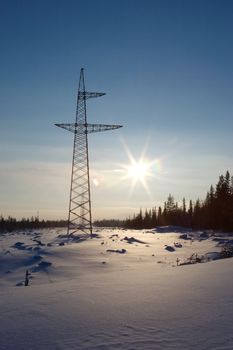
138, 170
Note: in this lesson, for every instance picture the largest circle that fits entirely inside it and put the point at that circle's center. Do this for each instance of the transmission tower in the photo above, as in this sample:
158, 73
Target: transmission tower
79, 218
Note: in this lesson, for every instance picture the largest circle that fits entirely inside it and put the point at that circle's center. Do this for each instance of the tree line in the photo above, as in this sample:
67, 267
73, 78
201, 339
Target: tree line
11, 224
214, 212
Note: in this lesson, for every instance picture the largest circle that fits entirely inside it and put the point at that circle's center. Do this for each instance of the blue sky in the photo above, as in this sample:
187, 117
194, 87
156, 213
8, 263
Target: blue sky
166, 67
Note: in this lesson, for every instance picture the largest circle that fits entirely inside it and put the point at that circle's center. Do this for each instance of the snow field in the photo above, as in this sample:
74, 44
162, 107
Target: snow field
88, 298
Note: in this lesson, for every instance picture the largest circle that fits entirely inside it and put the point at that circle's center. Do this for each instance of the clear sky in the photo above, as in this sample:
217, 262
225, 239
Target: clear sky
166, 67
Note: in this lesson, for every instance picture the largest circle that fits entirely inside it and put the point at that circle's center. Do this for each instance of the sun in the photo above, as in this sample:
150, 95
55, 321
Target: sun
138, 171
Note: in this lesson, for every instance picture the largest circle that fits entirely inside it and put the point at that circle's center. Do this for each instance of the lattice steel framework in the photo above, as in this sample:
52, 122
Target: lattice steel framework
80, 218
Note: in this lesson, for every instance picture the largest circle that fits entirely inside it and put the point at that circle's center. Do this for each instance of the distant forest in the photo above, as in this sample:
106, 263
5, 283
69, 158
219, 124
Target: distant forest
12, 224
214, 212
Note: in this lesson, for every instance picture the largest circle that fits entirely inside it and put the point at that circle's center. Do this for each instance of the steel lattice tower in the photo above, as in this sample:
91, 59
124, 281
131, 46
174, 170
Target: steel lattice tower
80, 219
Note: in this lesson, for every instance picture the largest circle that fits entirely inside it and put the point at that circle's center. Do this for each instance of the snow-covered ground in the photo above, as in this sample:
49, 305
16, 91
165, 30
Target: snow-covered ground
120, 290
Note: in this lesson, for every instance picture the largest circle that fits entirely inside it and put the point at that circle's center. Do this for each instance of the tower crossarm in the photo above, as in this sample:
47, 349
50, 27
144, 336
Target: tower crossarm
87, 94
87, 128
101, 127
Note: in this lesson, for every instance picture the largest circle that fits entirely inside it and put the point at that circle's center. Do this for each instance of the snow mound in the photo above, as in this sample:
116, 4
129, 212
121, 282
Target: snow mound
120, 251
131, 240
42, 266
169, 248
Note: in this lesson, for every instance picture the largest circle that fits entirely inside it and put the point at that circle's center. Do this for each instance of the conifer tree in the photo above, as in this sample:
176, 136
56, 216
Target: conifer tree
160, 221
154, 218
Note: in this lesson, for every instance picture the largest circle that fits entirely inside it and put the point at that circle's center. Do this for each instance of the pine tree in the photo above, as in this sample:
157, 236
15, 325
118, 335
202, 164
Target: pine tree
223, 203
197, 214
171, 211
147, 219
154, 218
184, 213
160, 219
170, 204
190, 214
